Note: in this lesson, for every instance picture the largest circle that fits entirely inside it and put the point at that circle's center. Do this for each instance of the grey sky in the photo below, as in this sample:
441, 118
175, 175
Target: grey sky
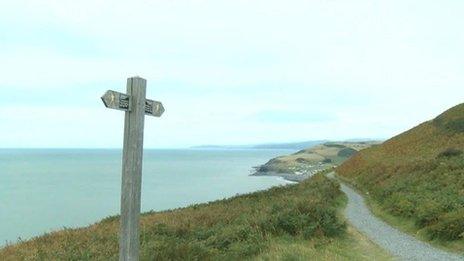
228, 72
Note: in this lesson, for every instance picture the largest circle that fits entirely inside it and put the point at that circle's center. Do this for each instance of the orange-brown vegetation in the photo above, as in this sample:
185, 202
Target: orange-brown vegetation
232, 229
418, 175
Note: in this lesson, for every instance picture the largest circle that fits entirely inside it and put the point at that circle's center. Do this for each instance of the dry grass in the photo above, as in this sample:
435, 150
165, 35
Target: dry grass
237, 228
352, 246
309, 157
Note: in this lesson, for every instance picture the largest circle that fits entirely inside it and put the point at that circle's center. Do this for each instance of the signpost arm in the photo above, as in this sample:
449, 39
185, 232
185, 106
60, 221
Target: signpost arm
132, 170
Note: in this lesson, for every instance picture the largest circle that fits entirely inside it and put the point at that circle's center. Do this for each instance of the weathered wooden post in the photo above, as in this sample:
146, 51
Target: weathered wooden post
136, 106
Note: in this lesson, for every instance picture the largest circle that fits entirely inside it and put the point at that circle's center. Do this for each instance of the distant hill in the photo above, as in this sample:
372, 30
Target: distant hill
306, 162
418, 176
293, 146
289, 145
222, 147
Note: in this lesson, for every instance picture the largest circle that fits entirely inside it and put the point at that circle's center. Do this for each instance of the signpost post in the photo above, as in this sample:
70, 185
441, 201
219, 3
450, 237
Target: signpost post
136, 106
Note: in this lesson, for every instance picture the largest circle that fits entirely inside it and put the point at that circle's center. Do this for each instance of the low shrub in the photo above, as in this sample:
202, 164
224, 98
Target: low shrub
327, 160
450, 226
334, 145
450, 152
347, 152
302, 160
428, 213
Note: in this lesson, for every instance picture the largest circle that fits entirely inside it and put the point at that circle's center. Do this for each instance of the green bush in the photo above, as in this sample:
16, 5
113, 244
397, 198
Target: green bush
428, 213
450, 226
450, 152
334, 145
347, 152
450, 124
327, 160
302, 160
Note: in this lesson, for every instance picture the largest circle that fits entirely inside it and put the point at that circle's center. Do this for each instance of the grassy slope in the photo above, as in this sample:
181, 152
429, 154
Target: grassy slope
303, 218
416, 180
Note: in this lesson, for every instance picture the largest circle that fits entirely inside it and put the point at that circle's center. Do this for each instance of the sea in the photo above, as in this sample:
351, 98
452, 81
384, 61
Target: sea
43, 190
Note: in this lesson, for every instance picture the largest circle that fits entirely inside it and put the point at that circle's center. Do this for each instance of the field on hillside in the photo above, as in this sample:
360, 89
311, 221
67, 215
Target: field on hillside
419, 176
313, 160
241, 227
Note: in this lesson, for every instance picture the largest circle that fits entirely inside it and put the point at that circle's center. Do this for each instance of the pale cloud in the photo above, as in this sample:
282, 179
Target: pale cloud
227, 71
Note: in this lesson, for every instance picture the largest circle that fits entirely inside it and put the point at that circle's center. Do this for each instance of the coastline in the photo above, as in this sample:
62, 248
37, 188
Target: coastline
308, 162
88, 182
290, 177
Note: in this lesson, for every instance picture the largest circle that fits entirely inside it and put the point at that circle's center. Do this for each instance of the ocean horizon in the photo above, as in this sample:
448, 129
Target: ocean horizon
44, 190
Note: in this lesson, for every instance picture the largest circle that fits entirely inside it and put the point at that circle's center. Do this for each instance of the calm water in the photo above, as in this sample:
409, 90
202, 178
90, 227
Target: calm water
45, 190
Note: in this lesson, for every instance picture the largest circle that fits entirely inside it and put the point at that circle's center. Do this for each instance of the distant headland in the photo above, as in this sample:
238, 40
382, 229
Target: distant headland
285, 145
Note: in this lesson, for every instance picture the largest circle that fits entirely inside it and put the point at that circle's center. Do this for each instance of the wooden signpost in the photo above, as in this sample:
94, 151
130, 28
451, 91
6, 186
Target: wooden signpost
136, 107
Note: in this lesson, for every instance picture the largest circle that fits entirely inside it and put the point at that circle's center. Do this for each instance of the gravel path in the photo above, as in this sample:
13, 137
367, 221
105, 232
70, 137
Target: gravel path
399, 244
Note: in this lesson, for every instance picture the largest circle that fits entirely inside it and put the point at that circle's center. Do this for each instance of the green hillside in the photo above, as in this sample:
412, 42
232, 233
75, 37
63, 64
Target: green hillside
306, 162
418, 176
295, 221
